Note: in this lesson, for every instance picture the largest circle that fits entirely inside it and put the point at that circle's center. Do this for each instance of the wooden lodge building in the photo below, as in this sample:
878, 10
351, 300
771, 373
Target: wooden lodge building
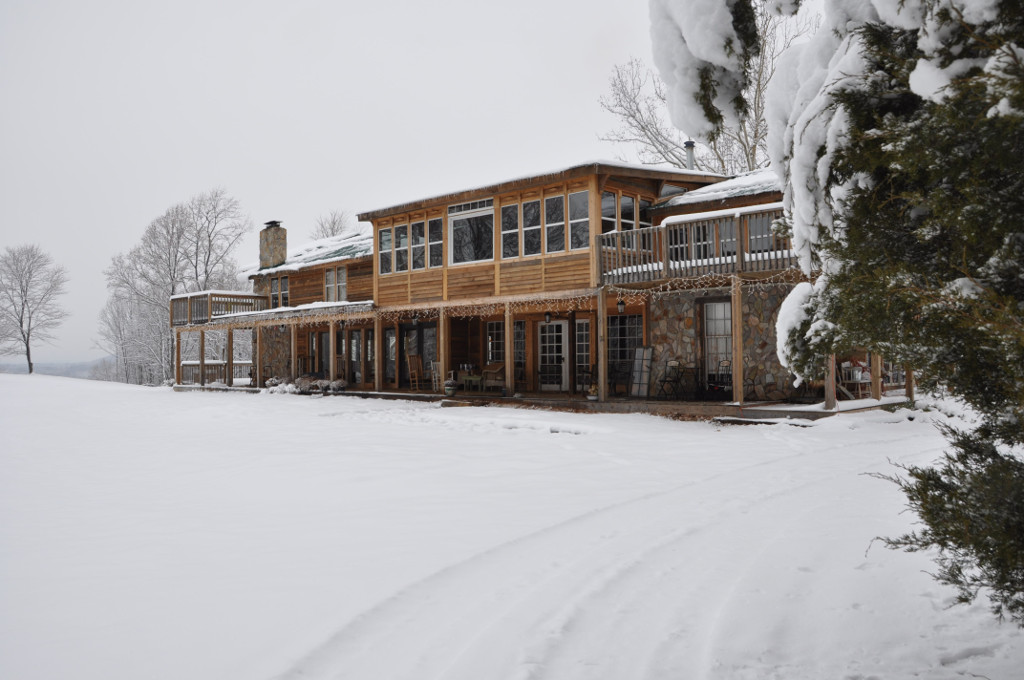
602, 278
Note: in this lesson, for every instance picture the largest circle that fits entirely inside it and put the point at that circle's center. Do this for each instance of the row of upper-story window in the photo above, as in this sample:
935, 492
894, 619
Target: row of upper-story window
552, 224
335, 287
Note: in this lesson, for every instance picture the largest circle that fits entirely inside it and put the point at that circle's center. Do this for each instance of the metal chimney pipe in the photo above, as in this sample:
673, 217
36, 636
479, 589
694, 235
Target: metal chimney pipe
691, 163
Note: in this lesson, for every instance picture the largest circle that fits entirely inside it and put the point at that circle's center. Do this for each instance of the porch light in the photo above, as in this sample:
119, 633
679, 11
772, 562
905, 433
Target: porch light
621, 306
547, 317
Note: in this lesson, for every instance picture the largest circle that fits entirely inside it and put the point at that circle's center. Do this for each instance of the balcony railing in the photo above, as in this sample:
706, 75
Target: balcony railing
206, 306
216, 373
714, 244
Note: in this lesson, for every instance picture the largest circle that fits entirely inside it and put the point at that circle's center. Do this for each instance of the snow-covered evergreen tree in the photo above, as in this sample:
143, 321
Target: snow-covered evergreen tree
898, 131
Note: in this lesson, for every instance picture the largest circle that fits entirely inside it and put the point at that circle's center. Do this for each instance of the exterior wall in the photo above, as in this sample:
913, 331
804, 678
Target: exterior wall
675, 333
275, 353
760, 362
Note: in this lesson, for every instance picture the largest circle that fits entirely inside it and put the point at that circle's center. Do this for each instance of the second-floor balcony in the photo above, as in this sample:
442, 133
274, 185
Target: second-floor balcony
205, 306
719, 243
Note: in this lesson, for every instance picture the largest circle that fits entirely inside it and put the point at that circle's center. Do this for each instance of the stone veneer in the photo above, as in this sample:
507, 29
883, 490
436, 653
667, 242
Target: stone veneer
675, 332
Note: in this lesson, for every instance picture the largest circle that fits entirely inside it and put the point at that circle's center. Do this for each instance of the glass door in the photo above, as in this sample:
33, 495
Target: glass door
554, 369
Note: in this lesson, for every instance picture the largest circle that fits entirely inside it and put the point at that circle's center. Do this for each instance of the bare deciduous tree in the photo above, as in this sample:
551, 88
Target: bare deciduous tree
186, 249
637, 98
332, 224
30, 285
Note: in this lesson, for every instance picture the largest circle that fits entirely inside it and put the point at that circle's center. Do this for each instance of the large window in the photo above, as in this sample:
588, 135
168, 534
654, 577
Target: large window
554, 222
472, 231
625, 334
384, 250
579, 220
509, 231
531, 228
434, 244
495, 342
583, 369
401, 248
418, 242
609, 212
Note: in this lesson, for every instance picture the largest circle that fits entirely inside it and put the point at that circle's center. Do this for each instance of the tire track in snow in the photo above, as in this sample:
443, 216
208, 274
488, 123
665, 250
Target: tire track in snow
541, 605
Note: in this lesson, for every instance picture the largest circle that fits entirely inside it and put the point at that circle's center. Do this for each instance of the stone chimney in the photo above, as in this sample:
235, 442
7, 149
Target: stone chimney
273, 245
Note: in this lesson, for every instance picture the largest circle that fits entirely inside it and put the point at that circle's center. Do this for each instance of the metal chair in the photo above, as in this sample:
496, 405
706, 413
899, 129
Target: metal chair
671, 382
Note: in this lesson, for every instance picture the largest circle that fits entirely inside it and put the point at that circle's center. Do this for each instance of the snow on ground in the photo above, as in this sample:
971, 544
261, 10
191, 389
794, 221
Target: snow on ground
149, 534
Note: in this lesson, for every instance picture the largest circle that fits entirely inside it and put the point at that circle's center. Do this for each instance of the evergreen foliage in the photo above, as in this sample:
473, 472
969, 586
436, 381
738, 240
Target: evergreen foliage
926, 266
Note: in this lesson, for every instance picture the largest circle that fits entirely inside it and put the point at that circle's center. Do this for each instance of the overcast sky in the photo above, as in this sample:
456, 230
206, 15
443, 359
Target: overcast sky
112, 111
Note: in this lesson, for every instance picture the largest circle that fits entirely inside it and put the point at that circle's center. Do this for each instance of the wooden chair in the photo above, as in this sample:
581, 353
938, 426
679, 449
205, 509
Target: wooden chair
493, 375
416, 377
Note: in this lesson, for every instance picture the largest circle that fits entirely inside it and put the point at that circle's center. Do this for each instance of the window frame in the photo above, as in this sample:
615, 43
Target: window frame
438, 242
557, 199
384, 257
572, 223
483, 208
510, 235
494, 338
534, 229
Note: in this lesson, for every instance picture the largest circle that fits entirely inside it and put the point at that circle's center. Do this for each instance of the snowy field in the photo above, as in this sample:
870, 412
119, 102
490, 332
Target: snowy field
151, 535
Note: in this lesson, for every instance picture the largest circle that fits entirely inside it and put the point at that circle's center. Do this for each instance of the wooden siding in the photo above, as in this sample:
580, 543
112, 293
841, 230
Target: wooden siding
426, 286
305, 286
392, 290
360, 281
470, 281
520, 277
566, 273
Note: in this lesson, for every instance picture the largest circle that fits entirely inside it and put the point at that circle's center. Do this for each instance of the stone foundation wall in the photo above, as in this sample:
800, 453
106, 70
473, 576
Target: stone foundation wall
675, 331
275, 353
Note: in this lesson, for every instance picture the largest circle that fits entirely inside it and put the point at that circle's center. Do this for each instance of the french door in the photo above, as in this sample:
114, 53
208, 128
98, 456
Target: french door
553, 339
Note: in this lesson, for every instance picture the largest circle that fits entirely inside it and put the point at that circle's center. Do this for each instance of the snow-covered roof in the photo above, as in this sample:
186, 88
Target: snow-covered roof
346, 246
748, 184
598, 166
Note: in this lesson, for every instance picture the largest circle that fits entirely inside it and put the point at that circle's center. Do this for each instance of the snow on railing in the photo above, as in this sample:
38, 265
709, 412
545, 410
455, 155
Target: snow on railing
714, 243
204, 306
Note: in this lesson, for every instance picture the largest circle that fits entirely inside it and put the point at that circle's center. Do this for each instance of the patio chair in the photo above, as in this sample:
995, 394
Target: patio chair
416, 377
436, 379
493, 375
671, 382
720, 382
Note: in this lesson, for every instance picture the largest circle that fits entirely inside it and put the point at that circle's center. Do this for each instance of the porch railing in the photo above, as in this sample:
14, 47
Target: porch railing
216, 372
722, 244
205, 306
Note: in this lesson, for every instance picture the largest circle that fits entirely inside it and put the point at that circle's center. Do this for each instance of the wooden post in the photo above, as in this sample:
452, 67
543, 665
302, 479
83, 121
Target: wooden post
737, 339
202, 357
510, 369
332, 350
229, 376
443, 343
602, 344
295, 351
258, 358
378, 355
909, 383
177, 357
876, 375
830, 384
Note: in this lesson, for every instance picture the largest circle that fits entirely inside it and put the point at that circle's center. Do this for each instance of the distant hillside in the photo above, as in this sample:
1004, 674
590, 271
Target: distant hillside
79, 369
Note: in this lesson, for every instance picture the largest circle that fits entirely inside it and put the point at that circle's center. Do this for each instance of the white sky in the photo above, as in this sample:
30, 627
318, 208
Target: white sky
113, 111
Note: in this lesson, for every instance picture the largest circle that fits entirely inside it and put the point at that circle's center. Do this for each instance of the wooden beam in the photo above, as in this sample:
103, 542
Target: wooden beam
332, 350
830, 384
602, 344
443, 343
378, 355
258, 358
202, 357
876, 375
229, 376
295, 350
177, 357
737, 339
510, 369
